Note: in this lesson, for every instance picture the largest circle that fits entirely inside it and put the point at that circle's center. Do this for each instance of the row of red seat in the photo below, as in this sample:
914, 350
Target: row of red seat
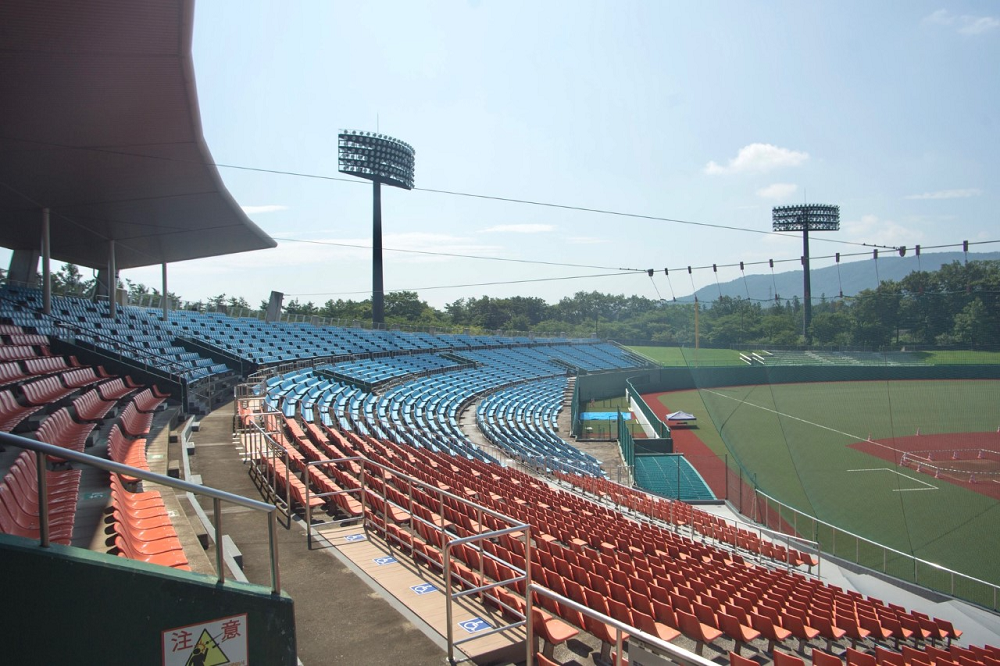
12, 413
133, 422
24, 339
17, 352
772, 604
91, 406
931, 656
59, 429
672, 511
143, 528
884, 620
127, 451
19, 508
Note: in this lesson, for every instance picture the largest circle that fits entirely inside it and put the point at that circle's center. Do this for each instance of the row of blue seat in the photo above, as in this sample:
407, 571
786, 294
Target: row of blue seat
423, 410
134, 335
522, 421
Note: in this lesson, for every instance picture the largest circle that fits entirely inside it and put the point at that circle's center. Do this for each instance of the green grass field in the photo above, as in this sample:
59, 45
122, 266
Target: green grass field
948, 357
681, 356
795, 438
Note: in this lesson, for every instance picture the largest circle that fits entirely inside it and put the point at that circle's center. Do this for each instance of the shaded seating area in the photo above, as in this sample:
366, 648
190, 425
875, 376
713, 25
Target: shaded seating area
74, 401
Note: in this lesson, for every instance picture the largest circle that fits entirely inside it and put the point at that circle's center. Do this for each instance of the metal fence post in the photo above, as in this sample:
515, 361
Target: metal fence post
43, 499
217, 511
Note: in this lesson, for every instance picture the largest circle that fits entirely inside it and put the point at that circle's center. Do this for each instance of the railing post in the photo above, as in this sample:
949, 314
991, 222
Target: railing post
530, 635
448, 601
217, 510
43, 500
388, 511
273, 544
364, 498
309, 534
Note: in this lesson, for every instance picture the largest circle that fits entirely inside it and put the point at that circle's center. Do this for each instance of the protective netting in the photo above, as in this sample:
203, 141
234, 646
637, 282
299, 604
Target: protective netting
860, 450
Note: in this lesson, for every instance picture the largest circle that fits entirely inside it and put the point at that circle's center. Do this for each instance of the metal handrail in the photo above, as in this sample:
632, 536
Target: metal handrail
810, 547
42, 449
677, 654
887, 549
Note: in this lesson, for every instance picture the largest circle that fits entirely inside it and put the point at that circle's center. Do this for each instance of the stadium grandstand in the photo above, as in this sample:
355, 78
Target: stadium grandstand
184, 487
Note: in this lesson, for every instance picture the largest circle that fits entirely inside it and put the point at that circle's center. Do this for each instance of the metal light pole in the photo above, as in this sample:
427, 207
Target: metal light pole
806, 217
380, 159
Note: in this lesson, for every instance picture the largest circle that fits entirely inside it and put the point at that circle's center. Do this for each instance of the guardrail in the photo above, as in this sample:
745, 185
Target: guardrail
368, 468
879, 557
42, 449
694, 528
520, 577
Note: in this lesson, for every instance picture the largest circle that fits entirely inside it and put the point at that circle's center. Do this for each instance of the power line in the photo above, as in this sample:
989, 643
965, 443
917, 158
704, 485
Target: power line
655, 218
487, 197
475, 284
462, 256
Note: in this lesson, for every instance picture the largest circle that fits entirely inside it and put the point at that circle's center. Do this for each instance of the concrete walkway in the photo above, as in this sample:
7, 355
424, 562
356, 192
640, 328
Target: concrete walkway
339, 619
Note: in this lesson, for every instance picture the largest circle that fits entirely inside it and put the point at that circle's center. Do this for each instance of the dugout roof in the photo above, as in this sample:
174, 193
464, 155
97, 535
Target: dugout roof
99, 122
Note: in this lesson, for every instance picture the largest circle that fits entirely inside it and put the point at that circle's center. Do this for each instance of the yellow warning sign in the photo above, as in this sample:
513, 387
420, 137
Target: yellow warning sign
221, 642
207, 652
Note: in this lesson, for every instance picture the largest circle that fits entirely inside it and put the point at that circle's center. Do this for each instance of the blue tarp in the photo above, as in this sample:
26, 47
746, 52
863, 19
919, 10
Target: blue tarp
604, 416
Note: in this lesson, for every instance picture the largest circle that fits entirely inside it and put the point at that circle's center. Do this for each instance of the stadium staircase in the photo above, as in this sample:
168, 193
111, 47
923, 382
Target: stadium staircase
671, 476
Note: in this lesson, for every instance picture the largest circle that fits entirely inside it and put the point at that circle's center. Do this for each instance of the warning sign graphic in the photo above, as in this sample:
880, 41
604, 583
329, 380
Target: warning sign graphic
221, 642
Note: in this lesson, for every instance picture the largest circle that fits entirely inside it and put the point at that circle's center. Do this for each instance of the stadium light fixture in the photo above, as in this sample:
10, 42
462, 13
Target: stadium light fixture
806, 218
380, 159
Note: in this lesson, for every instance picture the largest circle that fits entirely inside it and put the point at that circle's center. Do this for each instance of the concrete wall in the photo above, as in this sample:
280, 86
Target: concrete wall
73, 606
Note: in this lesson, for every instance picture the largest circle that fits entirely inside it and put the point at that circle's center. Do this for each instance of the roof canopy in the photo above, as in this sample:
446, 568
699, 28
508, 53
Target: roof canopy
99, 122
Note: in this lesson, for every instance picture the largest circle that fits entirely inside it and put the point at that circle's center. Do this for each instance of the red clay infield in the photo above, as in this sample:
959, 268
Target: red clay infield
686, 441
958, 451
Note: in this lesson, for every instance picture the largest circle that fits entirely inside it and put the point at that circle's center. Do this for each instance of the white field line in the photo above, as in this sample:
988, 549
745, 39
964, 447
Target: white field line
839, 432
801, 420
929, 486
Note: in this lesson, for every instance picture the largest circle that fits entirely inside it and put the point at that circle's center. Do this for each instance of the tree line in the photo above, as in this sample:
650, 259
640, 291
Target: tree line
959, 304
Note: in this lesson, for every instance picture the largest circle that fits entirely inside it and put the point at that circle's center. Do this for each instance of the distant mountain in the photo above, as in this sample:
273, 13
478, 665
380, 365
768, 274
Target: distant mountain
854, 277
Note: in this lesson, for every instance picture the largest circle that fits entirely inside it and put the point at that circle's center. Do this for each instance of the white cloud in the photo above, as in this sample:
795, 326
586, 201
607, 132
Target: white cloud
947, 194
941, 17
518, 229
777, 191
758, 158
254, 210
870, 229
964, 24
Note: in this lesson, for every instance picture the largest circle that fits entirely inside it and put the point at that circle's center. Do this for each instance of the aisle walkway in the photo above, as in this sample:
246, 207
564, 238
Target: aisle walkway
339, 619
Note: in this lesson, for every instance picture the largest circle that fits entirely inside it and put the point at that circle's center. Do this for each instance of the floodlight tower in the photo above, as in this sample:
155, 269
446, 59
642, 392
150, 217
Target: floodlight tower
806, 218
380, 159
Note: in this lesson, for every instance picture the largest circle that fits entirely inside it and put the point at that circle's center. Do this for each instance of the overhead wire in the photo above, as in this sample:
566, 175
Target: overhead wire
476, 284
622, 270
487, 197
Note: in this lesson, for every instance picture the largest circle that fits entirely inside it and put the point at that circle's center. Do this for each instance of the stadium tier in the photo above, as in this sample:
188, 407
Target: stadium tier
722, 589
522, 421
850, 358
663, 568
59, 401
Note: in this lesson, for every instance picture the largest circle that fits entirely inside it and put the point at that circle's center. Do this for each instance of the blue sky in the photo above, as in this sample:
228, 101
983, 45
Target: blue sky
708, 111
